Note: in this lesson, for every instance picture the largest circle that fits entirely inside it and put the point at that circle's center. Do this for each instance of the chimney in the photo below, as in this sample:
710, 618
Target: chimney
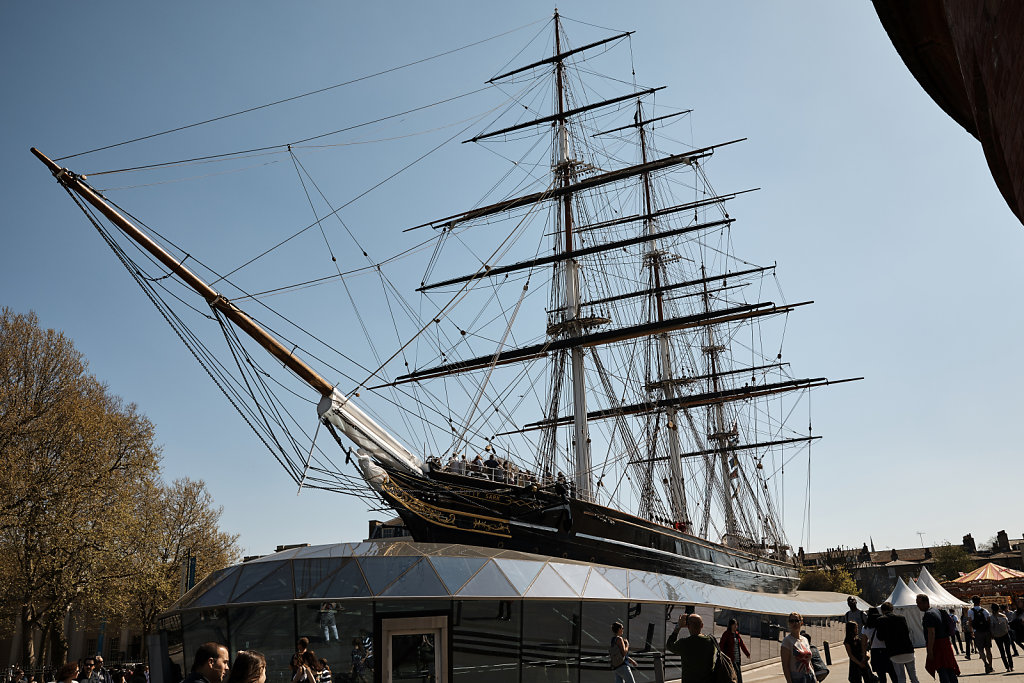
1002, 542
864, 556
969, 545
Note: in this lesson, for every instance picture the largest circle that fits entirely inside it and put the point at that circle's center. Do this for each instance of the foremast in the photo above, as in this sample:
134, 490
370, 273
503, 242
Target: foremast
334, 408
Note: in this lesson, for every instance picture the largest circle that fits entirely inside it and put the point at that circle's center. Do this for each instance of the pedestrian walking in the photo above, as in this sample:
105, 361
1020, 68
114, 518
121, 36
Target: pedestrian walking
876, 646
855, 613
796, 653
1001, 634
940, 658
954, 635
732, 645
854, 642
618, 651
981, 624
896, 633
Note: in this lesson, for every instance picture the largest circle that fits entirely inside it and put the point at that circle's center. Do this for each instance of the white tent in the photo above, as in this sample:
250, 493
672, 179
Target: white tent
904, 603
934, 587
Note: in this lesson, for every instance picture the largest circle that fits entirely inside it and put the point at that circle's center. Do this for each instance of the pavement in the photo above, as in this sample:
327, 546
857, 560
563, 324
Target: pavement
969, 668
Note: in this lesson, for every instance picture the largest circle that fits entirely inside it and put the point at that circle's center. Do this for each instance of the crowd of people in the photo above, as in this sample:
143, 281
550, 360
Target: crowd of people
878, 644
501, 470
85, 670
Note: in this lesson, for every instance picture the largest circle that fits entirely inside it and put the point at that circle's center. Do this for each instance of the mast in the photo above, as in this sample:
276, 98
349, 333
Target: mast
716, 413
676, 488
563, 172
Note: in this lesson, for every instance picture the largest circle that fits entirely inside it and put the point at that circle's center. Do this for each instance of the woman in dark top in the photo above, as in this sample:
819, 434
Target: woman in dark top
731, 645
855, 649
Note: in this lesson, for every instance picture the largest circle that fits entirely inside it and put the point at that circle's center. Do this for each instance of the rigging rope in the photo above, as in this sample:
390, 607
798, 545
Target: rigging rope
306, 94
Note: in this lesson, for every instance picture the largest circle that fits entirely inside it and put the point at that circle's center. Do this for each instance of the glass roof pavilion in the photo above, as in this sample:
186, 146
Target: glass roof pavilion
405, 569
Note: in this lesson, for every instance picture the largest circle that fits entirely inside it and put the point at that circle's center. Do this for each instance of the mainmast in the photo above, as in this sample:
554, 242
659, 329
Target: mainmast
676, 489
563, 173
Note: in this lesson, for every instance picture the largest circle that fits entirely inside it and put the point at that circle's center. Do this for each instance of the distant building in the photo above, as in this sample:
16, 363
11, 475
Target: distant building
876, 571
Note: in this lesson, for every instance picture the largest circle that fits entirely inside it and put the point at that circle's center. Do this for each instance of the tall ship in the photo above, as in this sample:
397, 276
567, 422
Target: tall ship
578, 365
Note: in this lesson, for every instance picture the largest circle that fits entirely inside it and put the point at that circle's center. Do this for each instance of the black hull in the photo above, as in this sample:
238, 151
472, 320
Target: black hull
448, 508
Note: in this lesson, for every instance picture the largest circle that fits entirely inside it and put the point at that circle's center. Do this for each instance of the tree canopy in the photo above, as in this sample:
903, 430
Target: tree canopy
86, 525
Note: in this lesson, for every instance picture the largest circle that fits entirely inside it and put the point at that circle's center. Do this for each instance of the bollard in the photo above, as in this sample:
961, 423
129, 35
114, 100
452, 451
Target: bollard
828, 653
659, 667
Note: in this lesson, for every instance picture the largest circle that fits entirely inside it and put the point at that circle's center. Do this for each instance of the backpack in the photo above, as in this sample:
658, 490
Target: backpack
981, 621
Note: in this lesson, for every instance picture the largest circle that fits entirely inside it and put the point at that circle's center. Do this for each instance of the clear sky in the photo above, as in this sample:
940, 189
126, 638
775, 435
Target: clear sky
874, 204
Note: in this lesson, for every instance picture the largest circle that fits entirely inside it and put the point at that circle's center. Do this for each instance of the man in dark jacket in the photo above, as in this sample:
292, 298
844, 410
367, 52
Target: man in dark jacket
892, 628
697, 652
210, 664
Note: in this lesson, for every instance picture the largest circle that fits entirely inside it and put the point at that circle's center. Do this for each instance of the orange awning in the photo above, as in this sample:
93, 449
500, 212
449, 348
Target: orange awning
990, 572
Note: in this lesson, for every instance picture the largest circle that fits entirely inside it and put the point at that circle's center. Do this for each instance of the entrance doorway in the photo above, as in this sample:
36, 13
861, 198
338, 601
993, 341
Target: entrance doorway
414, 649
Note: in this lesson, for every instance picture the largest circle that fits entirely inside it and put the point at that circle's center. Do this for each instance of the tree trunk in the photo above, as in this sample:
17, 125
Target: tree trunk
28, 631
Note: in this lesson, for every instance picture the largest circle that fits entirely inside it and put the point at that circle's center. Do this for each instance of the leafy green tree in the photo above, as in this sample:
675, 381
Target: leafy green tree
177, 521
86, 526
836, 579
73, 456
950, 560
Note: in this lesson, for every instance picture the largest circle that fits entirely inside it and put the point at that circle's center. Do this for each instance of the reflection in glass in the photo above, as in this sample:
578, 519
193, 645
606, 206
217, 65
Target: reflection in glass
414, 657
267, 629
203, 626
353, 620
646, 634
485, 641
551, 638
596, 635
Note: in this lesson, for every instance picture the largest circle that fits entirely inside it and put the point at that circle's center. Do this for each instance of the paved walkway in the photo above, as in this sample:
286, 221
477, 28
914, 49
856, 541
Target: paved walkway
969, 668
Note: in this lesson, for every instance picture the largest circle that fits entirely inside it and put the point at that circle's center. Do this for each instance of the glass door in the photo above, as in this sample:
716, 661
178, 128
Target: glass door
414, 650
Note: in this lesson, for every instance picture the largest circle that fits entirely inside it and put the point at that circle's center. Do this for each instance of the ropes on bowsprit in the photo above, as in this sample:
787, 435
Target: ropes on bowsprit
248, 389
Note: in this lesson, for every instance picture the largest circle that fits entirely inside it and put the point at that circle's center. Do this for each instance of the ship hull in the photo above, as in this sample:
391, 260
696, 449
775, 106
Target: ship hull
447, 508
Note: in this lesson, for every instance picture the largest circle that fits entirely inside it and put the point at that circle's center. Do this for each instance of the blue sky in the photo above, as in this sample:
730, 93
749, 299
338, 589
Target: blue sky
874, 204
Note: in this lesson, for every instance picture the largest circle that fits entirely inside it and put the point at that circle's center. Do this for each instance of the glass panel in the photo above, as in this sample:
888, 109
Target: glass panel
574, 574
489, 582
347, 582
598, 587
310, 573
455, 571
644, 586
672, 663
549, 584
551, 642
420, 580
485, 641
217, 589
353, 622
595, 637
381, 571
413, 657
616, 577
520, 572
269, 629
638, 588
253, 574
275, 586
646, 634
203, 626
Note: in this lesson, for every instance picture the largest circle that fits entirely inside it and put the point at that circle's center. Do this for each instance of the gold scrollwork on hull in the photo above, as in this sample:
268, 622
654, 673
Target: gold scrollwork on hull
450, 519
